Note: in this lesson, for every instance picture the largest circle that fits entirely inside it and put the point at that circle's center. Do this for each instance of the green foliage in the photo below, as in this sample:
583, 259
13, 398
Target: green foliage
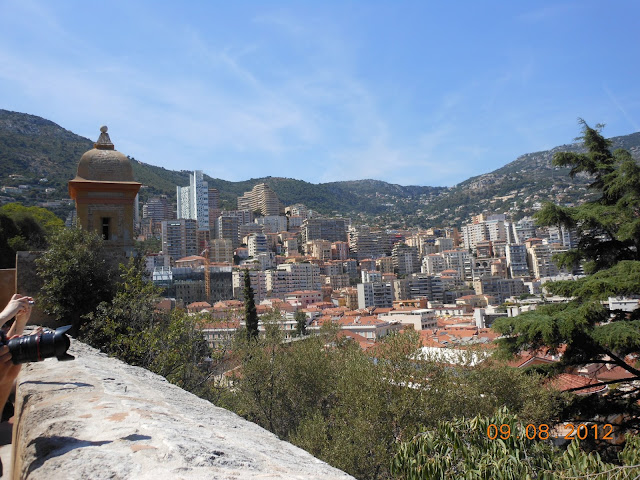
77, 276
23, 229
46, 220
250, 312
608, 225
350, 409
130, 328
609, 243
114, 325
36, 148
463, 449
301, 324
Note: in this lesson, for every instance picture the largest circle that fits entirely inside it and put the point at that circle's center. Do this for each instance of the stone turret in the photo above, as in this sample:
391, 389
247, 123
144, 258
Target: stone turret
104, 190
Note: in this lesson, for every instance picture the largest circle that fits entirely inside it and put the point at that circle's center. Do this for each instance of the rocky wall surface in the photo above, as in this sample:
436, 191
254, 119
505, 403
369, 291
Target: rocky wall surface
98, 418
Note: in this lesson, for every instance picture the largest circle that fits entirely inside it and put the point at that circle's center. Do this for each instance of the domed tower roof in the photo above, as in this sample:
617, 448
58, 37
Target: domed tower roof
103, 163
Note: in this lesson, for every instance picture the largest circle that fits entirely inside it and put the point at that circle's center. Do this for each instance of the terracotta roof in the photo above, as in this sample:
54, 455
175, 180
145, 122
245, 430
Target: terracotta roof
198, 305
607, 374
364, 342
567, 381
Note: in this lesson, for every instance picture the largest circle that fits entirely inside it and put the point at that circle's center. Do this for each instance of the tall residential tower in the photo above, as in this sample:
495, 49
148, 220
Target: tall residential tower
193, 201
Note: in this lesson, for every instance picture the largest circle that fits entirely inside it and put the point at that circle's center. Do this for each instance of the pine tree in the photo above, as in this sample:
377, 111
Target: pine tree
609, 248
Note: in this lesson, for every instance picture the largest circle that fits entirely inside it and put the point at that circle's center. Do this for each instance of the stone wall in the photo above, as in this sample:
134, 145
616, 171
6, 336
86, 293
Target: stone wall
7, 285
98, 418
29, 283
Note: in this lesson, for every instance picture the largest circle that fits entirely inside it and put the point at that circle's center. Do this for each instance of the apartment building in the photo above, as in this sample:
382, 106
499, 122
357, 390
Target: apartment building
541, 259
405, 259
193, 201
516, 256
320, 249
261, 199
257, 243
158, 209
364, 243
500, 288
273, 223
375, 294
258, 281
179, 238
330, 229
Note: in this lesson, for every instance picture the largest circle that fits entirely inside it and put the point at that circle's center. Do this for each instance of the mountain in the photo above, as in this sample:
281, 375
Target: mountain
42, 156
520, 185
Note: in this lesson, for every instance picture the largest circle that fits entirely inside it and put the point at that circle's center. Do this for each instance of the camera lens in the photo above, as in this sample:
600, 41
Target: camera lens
35, 348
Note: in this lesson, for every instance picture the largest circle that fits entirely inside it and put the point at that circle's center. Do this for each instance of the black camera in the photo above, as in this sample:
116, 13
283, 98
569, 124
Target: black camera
35, 348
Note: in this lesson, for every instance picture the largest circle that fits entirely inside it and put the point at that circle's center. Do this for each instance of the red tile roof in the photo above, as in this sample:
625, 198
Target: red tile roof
566, 381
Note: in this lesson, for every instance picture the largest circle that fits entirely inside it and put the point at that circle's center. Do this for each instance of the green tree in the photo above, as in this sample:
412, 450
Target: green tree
47, 220
350, 408
301, 324
169, 344
609, 241
115, 326
76, 275
497, 447
250, 312
24, 228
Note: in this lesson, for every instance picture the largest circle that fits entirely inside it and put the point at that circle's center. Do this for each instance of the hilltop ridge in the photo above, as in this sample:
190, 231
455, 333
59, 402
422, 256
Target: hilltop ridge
39, 149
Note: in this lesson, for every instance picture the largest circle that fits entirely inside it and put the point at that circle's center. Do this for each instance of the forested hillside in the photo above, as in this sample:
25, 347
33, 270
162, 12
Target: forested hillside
33, 149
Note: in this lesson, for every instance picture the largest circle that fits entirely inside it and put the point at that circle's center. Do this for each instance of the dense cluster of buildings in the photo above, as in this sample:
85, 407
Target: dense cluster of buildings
352, 275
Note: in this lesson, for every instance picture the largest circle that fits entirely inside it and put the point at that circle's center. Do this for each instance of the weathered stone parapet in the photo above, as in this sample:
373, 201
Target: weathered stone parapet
98, 418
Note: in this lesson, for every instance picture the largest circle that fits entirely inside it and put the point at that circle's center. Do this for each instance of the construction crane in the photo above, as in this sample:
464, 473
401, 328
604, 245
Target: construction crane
207, 275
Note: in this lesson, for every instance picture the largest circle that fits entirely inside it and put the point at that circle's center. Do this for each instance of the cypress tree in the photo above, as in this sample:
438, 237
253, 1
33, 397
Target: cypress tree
250, 313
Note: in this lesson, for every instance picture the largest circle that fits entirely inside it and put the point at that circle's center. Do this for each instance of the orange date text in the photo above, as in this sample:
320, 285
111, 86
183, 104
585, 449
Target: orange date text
544, 431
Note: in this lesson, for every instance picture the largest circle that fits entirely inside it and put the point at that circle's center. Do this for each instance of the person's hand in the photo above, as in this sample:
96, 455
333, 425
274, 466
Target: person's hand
17, 304
22, 318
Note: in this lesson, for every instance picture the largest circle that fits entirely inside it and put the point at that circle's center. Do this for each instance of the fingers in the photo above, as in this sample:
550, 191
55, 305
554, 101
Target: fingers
5, 356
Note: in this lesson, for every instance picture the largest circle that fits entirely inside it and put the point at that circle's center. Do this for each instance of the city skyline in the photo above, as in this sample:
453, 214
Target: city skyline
409, 93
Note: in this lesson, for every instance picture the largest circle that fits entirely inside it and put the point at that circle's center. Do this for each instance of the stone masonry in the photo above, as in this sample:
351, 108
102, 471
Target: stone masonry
98, 418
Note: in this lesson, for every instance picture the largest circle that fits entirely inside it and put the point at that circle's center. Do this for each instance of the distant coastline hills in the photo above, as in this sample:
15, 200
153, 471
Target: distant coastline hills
36, 148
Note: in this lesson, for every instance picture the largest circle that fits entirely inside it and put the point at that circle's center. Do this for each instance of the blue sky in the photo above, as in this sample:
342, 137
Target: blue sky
415, 93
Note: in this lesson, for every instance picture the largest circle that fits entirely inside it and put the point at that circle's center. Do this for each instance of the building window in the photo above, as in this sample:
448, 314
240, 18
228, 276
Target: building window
105, 227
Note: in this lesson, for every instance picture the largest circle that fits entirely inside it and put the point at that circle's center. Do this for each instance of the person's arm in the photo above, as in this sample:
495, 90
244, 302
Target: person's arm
8, 374
19, 307
17, 304
22, 317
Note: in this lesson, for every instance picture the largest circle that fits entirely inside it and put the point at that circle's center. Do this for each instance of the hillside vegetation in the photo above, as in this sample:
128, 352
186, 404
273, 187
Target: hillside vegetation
39, 149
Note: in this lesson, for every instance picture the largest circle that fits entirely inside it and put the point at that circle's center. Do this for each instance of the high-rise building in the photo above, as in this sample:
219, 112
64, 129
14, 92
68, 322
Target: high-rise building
405, 259
261, 199
214, 206
193, 201
422, 285
157, 209
179, 238
227, 228
517, 260
256, 244
221, 251
493, 228
330, 229
375, 294
364, 243
541, 259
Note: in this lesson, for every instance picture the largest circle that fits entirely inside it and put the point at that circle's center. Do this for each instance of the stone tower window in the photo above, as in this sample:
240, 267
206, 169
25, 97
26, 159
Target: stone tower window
105, 227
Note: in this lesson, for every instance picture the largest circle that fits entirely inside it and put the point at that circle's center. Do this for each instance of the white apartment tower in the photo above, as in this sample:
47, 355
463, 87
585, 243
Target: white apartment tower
193, 201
